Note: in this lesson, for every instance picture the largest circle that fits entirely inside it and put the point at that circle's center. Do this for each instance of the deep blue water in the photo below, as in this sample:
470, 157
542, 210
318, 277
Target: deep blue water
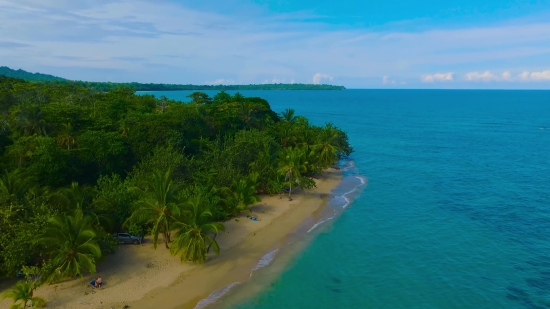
456, 213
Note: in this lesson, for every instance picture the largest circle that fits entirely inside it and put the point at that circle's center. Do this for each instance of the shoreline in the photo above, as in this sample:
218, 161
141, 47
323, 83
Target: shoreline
141, 277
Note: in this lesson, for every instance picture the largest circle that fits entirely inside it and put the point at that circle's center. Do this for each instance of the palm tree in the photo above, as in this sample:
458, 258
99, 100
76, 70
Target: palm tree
74, 249
65, 136
74, 197
24, 147
14, 185
288, 115
307, 138
29, 121
158, 205
22, 293
264, 165
162, 104
248, 114
77, 197
288, 136
207, 116
194, 231
242, 193
124, 129
327, 148
292, 164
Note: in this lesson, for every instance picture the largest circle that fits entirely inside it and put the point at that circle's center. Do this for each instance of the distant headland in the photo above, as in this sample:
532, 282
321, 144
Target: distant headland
105, 86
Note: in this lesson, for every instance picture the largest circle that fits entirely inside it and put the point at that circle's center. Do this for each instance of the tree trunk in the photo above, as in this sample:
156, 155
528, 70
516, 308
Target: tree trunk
210, 245
166, 239
290, 192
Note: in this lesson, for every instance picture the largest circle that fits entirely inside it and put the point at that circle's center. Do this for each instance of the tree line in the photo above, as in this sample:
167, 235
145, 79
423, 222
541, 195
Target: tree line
106, 86
80, 164
22, 74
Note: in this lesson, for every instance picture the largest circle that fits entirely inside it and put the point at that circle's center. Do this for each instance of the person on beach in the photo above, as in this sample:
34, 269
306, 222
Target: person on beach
98, 282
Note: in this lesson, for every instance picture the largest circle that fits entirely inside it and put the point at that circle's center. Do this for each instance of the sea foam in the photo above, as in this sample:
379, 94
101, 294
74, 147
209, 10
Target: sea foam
265, 260
214, 296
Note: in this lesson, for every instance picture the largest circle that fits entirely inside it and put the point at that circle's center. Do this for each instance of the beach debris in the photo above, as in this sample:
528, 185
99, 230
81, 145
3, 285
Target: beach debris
85, 303
125, 307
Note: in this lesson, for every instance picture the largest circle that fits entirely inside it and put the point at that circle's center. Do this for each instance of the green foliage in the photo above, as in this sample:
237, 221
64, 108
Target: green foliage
105, 151
114, 200
22, 295
73, 246
78, 164
196, 231
292, 165
242, 193
157, 205
106, 86
27, 75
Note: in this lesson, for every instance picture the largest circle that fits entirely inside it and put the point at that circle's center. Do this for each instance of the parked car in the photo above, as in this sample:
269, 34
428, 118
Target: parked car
127, 238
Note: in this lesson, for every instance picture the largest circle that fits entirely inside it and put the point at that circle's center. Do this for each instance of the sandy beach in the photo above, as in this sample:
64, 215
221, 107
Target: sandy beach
141, 277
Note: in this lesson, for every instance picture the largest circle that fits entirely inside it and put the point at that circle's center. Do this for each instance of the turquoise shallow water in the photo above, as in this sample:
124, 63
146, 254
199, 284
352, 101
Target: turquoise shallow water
456, 213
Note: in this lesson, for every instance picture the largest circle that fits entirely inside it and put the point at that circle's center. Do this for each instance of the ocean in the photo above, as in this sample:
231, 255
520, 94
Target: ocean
445, 203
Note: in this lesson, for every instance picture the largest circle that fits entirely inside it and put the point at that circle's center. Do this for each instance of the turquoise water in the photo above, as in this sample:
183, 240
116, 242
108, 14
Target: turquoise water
456, 213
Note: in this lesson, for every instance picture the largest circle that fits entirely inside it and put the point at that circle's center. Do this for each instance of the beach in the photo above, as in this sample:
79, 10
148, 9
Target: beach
141, 277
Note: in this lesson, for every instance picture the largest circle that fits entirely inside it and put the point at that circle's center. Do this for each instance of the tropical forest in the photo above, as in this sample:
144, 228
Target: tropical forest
80, 164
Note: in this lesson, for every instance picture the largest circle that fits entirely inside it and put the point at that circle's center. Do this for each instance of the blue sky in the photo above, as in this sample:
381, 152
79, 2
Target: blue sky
358, 44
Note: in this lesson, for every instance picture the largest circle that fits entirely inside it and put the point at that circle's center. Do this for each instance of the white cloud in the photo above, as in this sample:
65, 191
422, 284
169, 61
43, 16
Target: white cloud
386, 80
437, 77
506, 75
476, 76
320, 76
524, 75
221, 81
87, 39
535, 76
276, 80
543, 75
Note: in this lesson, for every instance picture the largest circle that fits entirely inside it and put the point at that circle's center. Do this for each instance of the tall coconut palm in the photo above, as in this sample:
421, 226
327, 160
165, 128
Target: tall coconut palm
74, 197
292, 164
66, 136
158, 205
72, 244
196, 233
22, 295
162, 104
29, 121
288, 135
77, 197
288, 115
242, 194
264, 165
307, 138
327, 147
14, 185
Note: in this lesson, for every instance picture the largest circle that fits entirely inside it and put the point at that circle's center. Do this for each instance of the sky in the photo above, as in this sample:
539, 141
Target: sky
488, 44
